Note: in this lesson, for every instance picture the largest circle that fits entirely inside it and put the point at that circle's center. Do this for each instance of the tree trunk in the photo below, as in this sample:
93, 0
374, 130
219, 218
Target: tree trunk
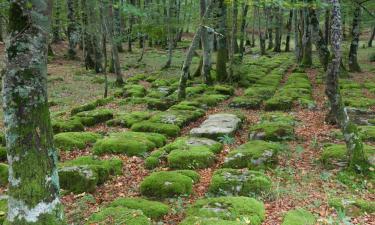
33, 193
73, 36
253, 30
270, 28
357, 158
318, 39
353, 61
222, 48
278, 29
114, 47
56, 28
117, 28
262, 38
207, 39
104, 46
1, 30
245, 9
289, 31
233, 44
306, 41
371, 37
297, 37
327, 23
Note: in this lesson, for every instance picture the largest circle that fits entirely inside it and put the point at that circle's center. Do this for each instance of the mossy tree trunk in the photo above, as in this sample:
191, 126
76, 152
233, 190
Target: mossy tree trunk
222, 48
253, 29
357, 158
33, 194
318, 39
73, 36
327, 22
270, 27
171, 12
289, 31
306, 41
278, 28
1, 30
297, 36
117, 27
371, 37
353, 61
233, 40
207, 39
262, 38
245, 9
56, 28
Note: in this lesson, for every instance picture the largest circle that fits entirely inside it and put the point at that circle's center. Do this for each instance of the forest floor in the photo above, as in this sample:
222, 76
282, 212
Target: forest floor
299, 180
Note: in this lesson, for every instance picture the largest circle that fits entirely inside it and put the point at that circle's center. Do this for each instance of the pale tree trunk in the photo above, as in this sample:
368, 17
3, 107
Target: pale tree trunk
371, 37
207, 39
171, 34
353, 61
189, 56
118, 27
253, 29
306, 41
245, 9
222, 47
104, 46
318, 39
33, 193
56, 28
73, 36
297, 37
338, 113
278, 29
289, 31
262, 38
233, 44
270, 27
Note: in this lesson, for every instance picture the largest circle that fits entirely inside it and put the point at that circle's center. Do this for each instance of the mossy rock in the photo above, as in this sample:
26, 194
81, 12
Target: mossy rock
246, 102
3, 153
260, 92
166, 184
75, 140
192, 158
221, 89
186, 106
334, 155
159, 103
91, 106
152, 209
367, 133
90, 118
193, 220
253, 155
299, 217
228, 182
72, 125
352, 207
129, 143
229, 208
134, 90
118, 215
160, 82
4, 172
177, 117
155, 159
282, 103
3, 209
211, 99
183, 143
136, 78
127, 120
169, 130
196, 90
271, 131
84, 173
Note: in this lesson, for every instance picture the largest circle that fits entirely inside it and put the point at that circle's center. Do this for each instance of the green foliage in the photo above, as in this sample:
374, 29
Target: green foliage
72, 125
196, 157
352, 207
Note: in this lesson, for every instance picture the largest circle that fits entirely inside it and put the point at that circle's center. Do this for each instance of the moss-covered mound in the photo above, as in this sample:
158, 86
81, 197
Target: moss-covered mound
211, 99
246, 102
167, 184
334, 155
129, 143
192, 158
72, 125
90, 118
4, 172
227, 182
127, 120
91, 105
352, 207
169, 130
84, 173
152, 209
177, 117
299, 217
353, 94
193, 220
134, 90
253, 155
75, 140
118, 215
229, 208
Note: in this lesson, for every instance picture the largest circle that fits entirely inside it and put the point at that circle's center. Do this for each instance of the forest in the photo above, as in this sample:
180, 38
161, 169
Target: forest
187, 112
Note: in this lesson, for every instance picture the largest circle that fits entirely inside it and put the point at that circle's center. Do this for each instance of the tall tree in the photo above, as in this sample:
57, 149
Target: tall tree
278, 28
338, 113
207, 42
289, 31
1, 29
371, 37
318, 39
33, 194
56, 28
353, 61
245, 9
306, 39
73, 36
222, 48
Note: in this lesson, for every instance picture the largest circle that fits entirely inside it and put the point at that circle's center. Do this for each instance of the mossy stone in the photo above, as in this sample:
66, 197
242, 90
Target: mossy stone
236, 182
90, 118
253, 155
169, 130
152, 209
193, 220
4, 172
134, 90
166, 184
211, 99
75, 140
158, 103
91, 105
155, 158
299, 217
118, 215
192, 158
129, 143
177, 117
352, 207
72, 125
127, 120
229, 208
271, 131
246, 102
183, 143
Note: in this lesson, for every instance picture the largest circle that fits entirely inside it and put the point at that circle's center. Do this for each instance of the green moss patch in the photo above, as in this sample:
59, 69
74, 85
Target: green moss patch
84, 173
177, 117
118, 215
127, 120
229, 208
129, 143
72, 125
169, 130
227, 182
152, 209
167, 184
253, 155
246, 102
4, 172
352, 207
3, 153
134, 90
211, 99
75, 140
3, 210
299, 217
193, 158
91, 105
90, 118
193, 220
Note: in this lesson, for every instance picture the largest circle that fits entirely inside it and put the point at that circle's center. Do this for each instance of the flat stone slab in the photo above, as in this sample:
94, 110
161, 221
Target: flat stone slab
217, 125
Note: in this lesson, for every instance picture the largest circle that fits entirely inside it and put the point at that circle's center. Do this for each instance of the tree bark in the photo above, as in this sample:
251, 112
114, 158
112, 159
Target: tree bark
289, 31
73, 36
245, 9
306, 41
327, 23
262, 38
56, 28
297, 37
33, 194
357, 157
353, 61
270, 28
318, 39
233, 44
1, 30
371, 37
222, 48
207, 39
278, 29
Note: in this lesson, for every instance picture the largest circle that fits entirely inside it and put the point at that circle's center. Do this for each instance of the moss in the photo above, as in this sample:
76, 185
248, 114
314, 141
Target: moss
2, 139
229, 208
118, 215
91, 106
166, 184
192, 158
135, 79
90, 118
367, 133
127, 120
71, 125
253, 155
358, 102
154, 159
260, 91
183, 143
239, 182
177, 117
75, 140
186, 106
222, 89
158, 103
279, 103
352, 207
170, 130
3, 210
134, 90
211, 99
3, 153
246, 102
160, 83
4, 171
337, 154
299, 217
129, 143
209, 221
272, 131
152, 209
195, 90
190, 173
